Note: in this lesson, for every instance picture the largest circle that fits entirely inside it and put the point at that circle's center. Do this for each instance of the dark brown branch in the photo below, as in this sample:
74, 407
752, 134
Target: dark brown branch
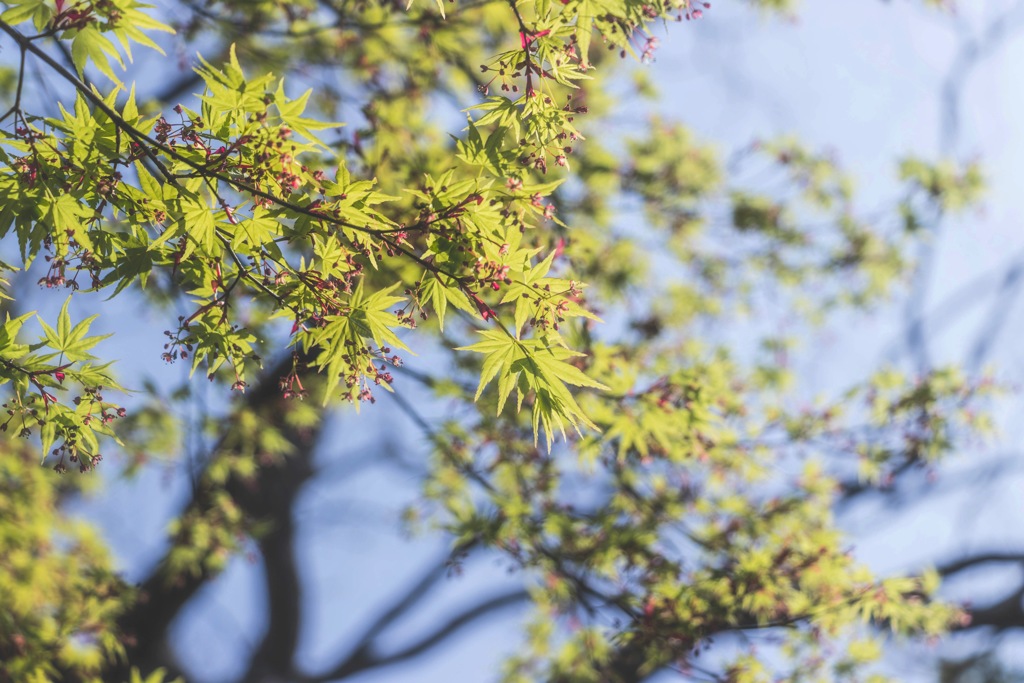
282, 583
402, 605
1003, 615
974, 561
368, 657
267, 495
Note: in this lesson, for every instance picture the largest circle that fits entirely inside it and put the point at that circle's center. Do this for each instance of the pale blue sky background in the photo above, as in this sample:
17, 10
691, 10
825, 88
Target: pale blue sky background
864, 78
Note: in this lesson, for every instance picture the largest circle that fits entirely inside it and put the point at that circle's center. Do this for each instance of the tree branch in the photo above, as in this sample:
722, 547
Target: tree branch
1006, 614
282, 583
261, 497
367, 657
971, 562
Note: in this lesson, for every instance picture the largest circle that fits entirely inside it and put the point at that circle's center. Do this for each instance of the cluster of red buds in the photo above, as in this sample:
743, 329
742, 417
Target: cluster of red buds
362, 376
56, 274
66, 452
180, 342
27, 134
69, 451
650, 45
291, 386
502, 71
93, 397
163, 130
693, 9
414, 303
25, 412
74, 17
491, 274
106, 185
28, 170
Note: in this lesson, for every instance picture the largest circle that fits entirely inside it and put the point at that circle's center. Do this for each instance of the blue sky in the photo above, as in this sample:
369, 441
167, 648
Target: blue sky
863, 78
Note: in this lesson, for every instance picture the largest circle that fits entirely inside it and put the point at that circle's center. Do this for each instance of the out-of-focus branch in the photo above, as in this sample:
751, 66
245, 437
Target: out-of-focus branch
988, 334
282, 583
974, 561
267, 495
368, 655
1006, 614
401, 606
973, 50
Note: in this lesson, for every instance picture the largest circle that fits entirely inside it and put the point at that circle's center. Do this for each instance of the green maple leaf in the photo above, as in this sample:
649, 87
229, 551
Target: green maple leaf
71, 340
540, 367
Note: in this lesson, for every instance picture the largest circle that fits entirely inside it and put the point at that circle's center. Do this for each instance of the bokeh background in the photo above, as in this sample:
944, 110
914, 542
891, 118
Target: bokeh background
872, 81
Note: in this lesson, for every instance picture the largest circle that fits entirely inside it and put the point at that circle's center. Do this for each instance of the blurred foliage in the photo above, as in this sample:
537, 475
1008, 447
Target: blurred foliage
982, 668
481, 207
61, 593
